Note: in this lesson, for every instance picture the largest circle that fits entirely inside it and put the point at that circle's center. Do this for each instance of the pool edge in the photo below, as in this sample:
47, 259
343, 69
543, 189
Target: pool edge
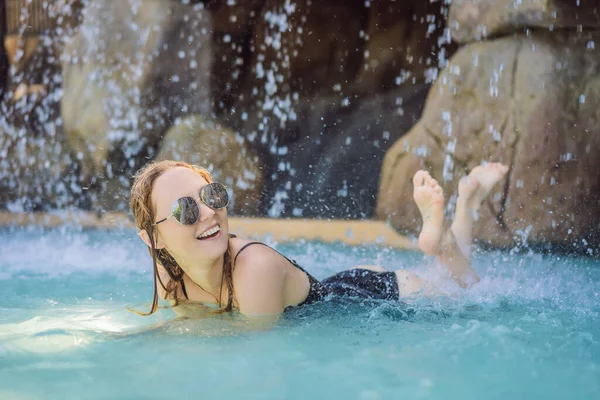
353, 232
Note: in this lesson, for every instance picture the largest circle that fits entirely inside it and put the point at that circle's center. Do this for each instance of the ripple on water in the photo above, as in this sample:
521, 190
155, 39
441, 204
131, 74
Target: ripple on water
529, 329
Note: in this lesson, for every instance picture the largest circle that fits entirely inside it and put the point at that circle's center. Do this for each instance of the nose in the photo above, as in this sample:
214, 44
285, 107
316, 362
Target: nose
206, 212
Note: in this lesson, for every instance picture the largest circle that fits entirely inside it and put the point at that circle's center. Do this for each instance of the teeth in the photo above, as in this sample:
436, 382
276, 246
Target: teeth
209, 232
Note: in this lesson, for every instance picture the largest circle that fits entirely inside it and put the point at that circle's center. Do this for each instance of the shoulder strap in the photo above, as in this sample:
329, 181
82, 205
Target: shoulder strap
244, 247
282, 255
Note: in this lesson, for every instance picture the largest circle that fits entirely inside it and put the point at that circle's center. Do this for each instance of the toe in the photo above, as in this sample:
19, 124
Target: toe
500, 168
419, 178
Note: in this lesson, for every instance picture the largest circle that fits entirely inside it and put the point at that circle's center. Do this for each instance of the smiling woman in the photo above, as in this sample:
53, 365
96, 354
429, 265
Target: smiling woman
182, 217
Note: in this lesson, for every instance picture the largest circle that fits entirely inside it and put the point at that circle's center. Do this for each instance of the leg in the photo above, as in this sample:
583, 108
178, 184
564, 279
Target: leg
435, 238
472, 191
408, 283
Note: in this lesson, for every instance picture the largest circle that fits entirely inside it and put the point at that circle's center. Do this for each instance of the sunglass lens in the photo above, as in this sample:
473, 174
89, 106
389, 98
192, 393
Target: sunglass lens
215, 196
186, 211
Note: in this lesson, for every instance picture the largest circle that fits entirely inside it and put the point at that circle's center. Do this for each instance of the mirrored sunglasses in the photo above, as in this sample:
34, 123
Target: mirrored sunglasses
186, 210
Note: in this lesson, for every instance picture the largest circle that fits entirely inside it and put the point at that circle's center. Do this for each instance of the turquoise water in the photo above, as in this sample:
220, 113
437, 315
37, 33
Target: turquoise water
530, 329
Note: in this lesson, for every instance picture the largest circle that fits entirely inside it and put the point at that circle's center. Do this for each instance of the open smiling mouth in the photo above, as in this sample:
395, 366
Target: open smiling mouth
210, 233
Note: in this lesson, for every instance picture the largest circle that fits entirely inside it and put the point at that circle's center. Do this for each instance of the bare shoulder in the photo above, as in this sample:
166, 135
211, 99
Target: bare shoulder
259, 280
256, 257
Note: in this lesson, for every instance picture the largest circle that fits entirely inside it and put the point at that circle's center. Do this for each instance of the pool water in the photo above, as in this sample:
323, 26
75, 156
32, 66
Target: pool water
530, 329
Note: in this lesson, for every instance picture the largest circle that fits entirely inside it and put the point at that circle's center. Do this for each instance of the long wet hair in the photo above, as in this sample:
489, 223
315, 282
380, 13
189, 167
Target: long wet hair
140, 202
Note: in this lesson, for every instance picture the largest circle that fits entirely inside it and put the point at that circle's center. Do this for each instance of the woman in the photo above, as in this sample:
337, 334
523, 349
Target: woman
181, 216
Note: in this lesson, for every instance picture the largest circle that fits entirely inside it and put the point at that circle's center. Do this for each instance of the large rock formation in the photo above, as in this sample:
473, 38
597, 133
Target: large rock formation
471, 20
3, 54
38, 169
269, 72
333, 168
129, 72
530, 102
224, 153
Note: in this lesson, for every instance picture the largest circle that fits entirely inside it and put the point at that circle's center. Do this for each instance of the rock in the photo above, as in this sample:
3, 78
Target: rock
471, 20
405, 43
233, 25
38, 171
127, 74
273, 57
224, 153
3, 57
528, 102
27, 25
332, 170
37, 168
292, 55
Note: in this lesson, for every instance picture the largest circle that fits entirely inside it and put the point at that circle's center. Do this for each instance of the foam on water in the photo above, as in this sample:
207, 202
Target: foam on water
530, 328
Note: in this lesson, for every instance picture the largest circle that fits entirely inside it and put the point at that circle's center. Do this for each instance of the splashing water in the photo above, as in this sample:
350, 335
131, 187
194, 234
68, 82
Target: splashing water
529, 327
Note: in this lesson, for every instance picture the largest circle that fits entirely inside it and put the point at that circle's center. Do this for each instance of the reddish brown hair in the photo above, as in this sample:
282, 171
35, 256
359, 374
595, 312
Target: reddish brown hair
140, 202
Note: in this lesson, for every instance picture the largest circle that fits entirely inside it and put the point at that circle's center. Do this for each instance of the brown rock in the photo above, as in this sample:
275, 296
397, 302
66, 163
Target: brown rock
471, 20
27, 22
36, 167
127, 73
528, 102
332, 170
224, 153
233, 26
298, 51
3, 56
405, 43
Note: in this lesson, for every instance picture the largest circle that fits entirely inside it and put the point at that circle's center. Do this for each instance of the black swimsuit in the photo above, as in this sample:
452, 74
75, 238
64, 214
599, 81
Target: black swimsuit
358, 283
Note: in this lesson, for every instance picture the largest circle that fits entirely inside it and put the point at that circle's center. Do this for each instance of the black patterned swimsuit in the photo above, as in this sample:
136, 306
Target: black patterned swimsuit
358, 283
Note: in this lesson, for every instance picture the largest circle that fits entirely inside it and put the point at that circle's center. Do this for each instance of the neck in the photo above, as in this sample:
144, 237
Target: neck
208, 275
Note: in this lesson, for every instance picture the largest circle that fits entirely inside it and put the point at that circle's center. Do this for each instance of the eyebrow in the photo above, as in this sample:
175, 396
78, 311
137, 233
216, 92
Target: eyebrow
191, 193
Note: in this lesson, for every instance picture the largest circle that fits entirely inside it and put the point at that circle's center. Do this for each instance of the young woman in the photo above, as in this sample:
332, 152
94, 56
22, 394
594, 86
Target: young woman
181, 215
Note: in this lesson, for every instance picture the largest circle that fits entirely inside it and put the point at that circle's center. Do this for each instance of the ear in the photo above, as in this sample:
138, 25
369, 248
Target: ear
158, 243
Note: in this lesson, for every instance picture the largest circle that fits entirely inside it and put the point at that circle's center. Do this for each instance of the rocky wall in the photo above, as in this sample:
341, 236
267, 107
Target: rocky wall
525, 93
3, 55
135, 77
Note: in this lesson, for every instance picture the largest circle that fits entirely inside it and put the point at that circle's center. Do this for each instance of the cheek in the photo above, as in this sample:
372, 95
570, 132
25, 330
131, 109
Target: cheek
174, 236
223, 221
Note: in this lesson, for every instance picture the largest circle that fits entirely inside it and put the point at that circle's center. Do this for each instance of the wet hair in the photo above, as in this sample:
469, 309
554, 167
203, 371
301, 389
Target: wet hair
140, 202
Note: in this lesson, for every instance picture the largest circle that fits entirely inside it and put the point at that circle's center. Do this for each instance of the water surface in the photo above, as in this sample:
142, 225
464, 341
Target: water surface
530, 329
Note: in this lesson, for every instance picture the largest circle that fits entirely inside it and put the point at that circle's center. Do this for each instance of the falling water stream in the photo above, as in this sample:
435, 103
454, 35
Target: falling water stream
530, 329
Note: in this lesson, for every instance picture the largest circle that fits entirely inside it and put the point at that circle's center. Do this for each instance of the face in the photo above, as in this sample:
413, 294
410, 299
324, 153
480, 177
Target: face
189, 245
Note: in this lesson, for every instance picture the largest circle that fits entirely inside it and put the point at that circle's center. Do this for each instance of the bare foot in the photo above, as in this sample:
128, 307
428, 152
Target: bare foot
430, 199
475, 188
472, 191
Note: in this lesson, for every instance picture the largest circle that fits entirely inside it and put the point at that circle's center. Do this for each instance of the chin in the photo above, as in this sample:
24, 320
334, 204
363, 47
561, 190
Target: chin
215, 246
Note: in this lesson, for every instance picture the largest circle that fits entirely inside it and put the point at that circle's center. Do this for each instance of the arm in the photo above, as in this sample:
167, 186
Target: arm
260, 278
